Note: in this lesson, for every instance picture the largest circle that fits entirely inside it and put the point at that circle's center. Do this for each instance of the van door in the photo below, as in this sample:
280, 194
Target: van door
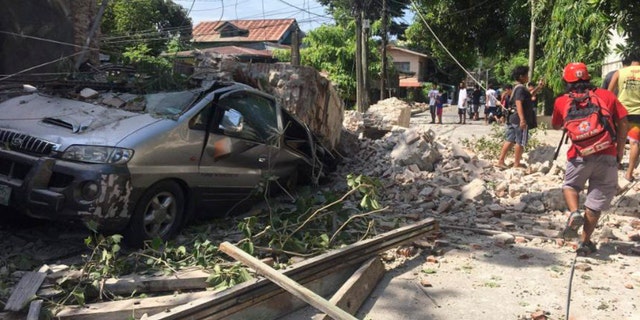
243, 141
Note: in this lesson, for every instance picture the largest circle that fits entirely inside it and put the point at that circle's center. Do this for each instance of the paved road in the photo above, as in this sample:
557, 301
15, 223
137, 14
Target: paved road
452, 131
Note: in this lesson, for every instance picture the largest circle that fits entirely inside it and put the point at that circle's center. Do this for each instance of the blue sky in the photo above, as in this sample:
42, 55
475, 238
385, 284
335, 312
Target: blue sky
309, 13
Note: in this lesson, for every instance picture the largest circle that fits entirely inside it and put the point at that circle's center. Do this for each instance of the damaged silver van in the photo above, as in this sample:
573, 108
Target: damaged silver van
143, 165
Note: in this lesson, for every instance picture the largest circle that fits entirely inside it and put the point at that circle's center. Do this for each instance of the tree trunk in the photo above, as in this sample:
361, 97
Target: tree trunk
532, 43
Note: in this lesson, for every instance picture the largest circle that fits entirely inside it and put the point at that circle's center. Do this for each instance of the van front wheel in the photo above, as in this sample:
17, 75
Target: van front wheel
158, 214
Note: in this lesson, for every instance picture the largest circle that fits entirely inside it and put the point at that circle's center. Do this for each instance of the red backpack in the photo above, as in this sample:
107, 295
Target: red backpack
589, 130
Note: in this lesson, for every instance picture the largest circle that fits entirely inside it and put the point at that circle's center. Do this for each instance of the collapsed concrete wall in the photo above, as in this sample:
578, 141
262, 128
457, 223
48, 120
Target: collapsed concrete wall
301, 90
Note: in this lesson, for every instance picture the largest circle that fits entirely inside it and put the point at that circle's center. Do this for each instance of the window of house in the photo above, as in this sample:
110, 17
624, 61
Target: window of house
402, 66
230, 31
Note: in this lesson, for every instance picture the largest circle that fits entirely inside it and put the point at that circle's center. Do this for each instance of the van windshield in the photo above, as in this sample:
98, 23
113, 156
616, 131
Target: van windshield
170, 103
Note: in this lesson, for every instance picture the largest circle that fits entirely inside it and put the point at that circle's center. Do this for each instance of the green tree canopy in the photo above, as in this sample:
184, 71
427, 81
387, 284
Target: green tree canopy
129, 23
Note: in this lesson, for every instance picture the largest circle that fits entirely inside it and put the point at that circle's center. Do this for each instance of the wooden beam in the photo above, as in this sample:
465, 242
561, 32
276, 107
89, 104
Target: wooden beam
183, 280
279, 302
34, 310
260, 290
125, 309
269, 306
25, 290
285, 282
357, 288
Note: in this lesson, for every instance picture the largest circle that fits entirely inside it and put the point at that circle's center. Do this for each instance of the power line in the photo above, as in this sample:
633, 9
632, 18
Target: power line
40, 65
413, 3
303, 9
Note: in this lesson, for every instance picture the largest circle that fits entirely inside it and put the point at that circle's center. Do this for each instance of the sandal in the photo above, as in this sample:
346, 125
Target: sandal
575, 221
586, 248
501, 166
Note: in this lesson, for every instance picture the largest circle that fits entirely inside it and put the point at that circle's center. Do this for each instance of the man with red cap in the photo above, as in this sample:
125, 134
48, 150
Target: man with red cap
599, 166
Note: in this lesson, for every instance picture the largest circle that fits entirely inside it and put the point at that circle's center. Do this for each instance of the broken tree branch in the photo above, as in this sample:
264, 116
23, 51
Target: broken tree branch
354, 217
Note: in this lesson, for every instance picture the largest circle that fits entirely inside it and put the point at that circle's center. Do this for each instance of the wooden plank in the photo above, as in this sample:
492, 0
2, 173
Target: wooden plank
34, 310
350, 255
185, 280
25, 290
285, 282
271, 306
280, 304
125, 309
357, 288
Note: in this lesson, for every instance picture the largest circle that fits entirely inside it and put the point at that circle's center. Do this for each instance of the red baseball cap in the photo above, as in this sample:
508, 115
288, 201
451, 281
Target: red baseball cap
575, 71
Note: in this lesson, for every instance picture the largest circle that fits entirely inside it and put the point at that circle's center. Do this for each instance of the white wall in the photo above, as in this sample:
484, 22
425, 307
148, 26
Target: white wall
612, 61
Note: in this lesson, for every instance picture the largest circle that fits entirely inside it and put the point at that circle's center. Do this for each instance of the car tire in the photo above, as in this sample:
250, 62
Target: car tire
158, 213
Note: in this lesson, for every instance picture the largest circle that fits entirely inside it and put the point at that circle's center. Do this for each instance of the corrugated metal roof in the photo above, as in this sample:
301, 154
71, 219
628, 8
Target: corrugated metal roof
271, 30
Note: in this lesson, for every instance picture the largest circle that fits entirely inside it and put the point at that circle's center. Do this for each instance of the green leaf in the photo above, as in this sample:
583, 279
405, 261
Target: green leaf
79, 296
156, 243
117, 238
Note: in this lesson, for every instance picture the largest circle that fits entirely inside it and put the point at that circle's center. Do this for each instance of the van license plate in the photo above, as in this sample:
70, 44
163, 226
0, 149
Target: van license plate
5, 194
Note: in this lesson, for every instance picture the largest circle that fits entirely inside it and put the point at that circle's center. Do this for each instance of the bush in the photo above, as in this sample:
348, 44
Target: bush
489, 146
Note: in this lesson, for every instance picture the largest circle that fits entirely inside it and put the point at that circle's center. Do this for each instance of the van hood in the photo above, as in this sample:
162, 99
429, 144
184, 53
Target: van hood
65, 122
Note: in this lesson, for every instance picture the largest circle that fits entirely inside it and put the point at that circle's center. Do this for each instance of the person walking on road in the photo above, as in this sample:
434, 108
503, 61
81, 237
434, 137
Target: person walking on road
522, 119
462, 103
491, 103
597, 166
627, 82
607, 79
475, 102
433, 99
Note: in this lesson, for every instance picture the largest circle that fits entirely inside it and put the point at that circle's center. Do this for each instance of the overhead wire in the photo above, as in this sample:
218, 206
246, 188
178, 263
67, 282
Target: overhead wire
413, 3
40, 65
303, 9
152, 34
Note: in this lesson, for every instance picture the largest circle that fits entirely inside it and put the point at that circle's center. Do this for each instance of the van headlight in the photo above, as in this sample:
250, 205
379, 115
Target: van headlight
97, 154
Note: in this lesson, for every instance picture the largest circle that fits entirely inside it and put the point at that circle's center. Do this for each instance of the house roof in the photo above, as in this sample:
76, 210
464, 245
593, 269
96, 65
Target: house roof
410, 83
271, 30
407, 51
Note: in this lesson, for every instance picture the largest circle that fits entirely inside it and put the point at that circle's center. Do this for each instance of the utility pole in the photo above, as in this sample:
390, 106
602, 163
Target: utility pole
383, 73
365, 60
295, 47
359, 77
532, 43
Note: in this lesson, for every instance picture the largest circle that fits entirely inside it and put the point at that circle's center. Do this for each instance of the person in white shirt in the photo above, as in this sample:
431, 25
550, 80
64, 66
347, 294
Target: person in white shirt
433, 99
462, 103
491, 102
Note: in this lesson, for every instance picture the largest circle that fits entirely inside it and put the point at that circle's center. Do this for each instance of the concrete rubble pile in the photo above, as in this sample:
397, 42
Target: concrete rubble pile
424, 176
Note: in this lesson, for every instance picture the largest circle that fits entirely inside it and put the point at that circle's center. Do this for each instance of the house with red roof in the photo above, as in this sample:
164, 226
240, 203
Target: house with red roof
254, 34
244, 40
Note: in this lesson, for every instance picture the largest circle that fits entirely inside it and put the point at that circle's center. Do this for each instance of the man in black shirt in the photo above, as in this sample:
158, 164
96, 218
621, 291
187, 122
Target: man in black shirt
519, 123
